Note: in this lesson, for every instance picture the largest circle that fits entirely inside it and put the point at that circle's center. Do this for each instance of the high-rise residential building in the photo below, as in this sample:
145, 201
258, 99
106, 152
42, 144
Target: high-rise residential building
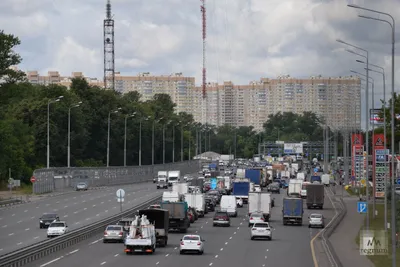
337, 100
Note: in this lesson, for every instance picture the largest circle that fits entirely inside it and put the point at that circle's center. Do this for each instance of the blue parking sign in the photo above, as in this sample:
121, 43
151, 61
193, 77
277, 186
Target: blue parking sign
362, 207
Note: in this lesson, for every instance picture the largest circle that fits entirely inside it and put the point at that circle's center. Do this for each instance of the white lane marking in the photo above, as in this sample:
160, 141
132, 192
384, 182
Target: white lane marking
238, 228
55, 210
47, 204
241, 223
65, 199
94, 206
94, 242
114, 207
1, 249
216, 256
87, 219
75, 203
210, 264
206, 221
102, 202
197, 232
201, 227
13, 215
222, 249
230, 237
37, 207
20, 243
267, 250
74, 197
84, 201
226, 243
72, 252
234, 233
75, 212
58, 202
50, 262
65, 206
116, 255
36, 237
19, 222
27, 229
10, 234
33, 217
25, 210
77, 222
109, 200
106, 211
97, 215
167, 255
263, 265
157, 263
265, 256
103, 263
175, 247
1, 219
65, 216
84, 208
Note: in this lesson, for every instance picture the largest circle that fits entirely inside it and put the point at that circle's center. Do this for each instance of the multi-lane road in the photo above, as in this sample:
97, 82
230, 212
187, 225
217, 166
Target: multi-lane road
19, 225
224, 246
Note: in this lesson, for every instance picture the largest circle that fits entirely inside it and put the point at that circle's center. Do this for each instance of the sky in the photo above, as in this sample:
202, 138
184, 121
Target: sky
246, 39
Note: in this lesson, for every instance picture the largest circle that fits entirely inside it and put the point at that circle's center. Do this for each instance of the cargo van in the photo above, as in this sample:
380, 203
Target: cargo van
228, 204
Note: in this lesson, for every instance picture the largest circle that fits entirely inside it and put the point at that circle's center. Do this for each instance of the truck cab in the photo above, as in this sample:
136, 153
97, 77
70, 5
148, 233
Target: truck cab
174, 177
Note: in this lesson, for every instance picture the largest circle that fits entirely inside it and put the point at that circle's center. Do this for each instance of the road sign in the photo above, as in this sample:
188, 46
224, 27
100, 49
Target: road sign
362, 207
11, 181
398, 181
33, 179
120, 193
316, 169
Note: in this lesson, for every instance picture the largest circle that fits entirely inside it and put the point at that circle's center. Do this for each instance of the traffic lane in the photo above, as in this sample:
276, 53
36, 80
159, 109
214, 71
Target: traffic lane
13, 241
94, 252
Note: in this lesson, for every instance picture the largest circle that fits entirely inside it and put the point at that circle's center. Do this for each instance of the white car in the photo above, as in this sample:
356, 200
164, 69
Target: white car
316, 220
261, 230
256, 217
57, 229
257, 188
239, 202
191, 243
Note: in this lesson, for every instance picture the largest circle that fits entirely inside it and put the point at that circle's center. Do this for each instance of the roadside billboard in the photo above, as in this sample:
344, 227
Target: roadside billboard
293, 148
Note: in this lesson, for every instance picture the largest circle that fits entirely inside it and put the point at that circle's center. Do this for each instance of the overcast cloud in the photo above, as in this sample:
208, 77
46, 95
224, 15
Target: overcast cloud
247, 39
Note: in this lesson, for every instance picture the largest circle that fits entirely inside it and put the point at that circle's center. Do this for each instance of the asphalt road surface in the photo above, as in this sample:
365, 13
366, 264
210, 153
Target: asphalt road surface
224, 246
19, 225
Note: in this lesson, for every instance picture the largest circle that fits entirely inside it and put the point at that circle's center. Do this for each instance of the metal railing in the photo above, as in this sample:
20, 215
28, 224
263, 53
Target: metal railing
64, 179
42, 249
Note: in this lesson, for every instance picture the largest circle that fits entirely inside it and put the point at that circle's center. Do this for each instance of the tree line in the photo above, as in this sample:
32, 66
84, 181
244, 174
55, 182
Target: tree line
26, 108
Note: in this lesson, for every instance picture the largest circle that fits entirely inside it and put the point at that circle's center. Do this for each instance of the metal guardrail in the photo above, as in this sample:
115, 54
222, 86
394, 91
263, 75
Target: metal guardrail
65, 179
42, 249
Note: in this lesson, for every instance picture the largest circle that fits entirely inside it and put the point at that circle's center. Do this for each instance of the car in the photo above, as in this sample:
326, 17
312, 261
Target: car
191, 243
239, 202
261, 230
274, 188
155, 206
256, 217
57, 228
81, 186
114, 233
221, 218
155, 180
316, 220
209, 205
47, 219
257, 188
162, 184
272, 202
191, 216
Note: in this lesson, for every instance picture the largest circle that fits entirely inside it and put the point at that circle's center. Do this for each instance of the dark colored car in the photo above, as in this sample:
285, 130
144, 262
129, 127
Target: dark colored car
221, 218
209, 204
274, 188
47, 219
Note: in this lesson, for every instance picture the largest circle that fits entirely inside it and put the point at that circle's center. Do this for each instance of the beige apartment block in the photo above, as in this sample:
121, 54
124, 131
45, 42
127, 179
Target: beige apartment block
54, 77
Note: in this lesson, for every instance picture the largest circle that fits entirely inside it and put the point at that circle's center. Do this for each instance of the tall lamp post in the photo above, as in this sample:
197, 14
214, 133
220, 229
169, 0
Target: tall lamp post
181, 141
108, 134
69, 132
366, 123
58, 99
152, 140
140, 138
125, 135
392, 24
165, 124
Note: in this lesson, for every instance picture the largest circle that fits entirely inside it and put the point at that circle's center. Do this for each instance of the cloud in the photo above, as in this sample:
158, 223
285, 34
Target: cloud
246, 40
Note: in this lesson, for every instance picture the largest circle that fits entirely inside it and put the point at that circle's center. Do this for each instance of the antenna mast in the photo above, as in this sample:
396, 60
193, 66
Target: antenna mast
204, 30
109, 55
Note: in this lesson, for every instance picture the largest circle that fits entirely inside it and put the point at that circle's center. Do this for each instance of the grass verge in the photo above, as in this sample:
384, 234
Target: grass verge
378, 224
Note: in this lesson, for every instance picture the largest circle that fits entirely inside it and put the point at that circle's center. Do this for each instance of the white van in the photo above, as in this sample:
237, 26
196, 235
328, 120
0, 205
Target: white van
228, 204
174, 177
301, 176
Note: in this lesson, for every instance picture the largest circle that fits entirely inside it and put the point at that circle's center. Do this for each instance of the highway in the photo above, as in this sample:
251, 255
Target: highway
224, 246
19, 225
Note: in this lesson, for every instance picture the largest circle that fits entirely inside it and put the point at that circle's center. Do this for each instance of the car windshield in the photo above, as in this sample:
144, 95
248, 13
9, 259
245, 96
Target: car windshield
316, 216
49, 216
220, 214
114, 228
213, 192
261, 225
256, 215
82, 184
173, 178
191, 237
57, 224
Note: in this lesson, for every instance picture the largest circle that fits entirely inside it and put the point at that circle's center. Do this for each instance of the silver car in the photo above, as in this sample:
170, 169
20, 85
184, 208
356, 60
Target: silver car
82, 186
316, 220
114, 233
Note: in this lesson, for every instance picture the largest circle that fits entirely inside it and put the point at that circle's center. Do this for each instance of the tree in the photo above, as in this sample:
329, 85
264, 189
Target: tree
9, 58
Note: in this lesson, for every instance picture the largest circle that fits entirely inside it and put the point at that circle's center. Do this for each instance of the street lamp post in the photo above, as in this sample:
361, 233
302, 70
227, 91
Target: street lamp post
69, 132
140, 139
190, 146
393, 116
366, 124
152, 143
173, 143
181, 141
108, 135
125, 135
48, 127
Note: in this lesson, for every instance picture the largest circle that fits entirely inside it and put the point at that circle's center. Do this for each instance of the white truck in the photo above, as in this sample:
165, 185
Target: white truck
301, 176
227, 183
294, 188
240, 173
260, 202
141, 237
172, 197
174, 177
162, 176
197, 201
182, 188
325, 179
229, 204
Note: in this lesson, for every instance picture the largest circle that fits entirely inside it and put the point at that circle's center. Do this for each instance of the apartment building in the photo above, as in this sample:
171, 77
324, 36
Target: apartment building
335, 99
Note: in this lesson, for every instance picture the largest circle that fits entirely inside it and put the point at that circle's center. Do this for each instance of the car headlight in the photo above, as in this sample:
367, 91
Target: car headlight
41, 221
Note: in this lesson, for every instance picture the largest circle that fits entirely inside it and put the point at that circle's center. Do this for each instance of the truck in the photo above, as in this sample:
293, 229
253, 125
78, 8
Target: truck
213, 167
182, 188
178, 215
325, 179
240, 189
227, 158
196, 201
141, 237
260, 202
160, 219
315, 196
292, 211
294, 188
241, 173
229, 204
162, 176
315, 179
172, 196
174, 177
227, 183
253, 175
